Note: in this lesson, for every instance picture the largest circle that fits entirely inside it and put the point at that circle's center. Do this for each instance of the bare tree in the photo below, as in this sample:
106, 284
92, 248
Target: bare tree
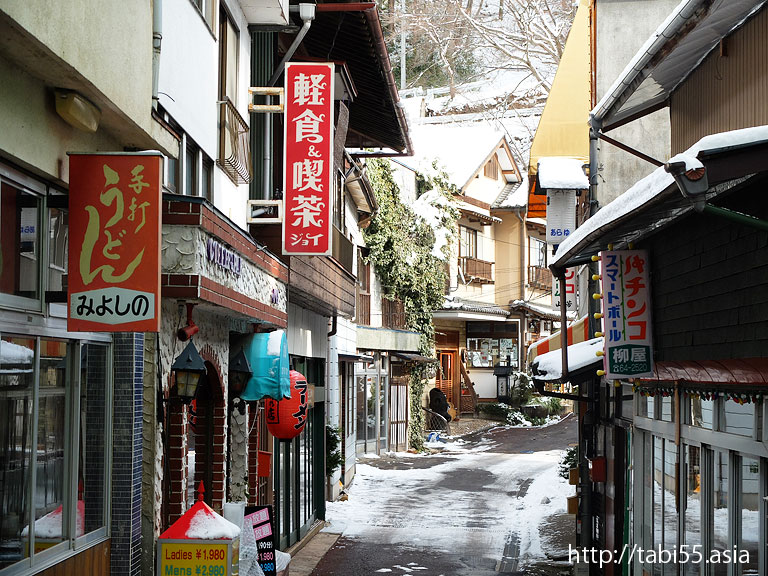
452, 41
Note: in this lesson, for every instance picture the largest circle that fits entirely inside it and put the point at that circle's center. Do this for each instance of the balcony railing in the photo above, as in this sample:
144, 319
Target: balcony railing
234, 147
392, 314
476, 270
363, 312
539, 277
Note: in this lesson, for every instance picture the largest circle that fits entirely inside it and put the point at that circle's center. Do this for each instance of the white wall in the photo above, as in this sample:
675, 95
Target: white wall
189, 88
307, 333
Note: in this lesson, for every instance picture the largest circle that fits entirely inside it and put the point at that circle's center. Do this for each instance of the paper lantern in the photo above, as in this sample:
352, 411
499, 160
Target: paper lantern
287, 418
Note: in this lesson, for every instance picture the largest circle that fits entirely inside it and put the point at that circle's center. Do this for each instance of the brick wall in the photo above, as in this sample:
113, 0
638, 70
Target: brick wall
127, 454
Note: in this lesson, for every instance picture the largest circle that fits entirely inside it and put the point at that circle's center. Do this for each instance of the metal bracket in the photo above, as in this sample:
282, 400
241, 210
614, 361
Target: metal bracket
266, 91
265, 212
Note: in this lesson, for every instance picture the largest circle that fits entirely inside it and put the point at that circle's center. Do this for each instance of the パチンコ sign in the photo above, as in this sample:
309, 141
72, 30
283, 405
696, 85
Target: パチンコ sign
114, 242
626, 314
308, 159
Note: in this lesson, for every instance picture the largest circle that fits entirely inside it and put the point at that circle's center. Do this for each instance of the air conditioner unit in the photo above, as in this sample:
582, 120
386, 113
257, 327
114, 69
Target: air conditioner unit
265, 212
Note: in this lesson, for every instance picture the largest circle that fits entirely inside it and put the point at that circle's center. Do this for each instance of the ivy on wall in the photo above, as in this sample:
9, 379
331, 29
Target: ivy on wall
401, 250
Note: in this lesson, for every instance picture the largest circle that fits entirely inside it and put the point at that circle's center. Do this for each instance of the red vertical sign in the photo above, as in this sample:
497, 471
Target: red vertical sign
114, 242
308, 159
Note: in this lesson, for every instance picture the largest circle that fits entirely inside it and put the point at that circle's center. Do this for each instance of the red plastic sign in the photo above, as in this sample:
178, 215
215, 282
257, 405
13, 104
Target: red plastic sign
308, 162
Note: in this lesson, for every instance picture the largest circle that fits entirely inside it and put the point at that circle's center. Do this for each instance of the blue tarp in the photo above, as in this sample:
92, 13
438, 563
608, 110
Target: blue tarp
267, 353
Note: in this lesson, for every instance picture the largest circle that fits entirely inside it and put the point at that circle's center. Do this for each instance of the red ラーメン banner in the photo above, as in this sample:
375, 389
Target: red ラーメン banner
308, 159
114, 242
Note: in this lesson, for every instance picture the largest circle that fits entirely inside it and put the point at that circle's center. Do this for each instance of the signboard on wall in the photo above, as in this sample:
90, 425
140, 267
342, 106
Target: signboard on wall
626, 314
114, 242
261, 519
561, 215
570, 291
308, 162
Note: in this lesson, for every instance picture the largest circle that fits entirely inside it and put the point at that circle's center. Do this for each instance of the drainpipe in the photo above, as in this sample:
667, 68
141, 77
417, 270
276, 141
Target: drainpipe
157, 40
523, 322
307, 14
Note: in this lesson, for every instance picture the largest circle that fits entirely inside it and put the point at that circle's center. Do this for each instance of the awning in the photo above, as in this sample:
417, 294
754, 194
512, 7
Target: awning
582, 359
477, 213
728, 372
577, 332
418, 358
546, 312
563, 129
354, 357
654, 202
267, 353
669, 56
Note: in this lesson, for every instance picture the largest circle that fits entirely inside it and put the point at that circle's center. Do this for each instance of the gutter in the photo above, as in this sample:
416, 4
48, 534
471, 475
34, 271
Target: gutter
307, 13
637, 70
370, 11
157, 41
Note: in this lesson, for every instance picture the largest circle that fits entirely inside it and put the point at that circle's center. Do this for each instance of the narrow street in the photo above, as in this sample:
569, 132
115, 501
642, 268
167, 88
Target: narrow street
490, 503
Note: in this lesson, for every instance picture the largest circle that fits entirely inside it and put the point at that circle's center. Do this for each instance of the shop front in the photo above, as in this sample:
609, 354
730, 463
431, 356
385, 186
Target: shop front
59, 434
700, 466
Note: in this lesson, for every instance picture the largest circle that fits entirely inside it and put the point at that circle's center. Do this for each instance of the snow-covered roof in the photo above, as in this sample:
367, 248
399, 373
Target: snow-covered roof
562, 173
513, 195
548, 367
540, 310
481, 213
456, 303
649, 189
459, 148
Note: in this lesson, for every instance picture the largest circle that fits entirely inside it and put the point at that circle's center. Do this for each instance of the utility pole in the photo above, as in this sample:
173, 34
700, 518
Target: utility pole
402, 46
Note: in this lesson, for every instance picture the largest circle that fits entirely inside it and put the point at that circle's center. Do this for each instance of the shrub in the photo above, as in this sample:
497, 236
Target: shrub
333, 458
569, 460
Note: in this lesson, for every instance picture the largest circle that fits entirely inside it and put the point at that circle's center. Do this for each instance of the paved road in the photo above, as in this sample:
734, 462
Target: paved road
490, 504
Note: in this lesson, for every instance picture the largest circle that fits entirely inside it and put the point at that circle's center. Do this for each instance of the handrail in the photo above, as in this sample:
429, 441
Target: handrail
434, 416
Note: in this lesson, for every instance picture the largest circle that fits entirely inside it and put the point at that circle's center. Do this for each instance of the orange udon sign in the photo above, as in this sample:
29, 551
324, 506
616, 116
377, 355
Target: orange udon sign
114, 242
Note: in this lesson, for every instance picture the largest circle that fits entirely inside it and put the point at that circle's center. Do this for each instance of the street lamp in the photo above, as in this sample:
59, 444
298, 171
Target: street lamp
188, 367
239, 373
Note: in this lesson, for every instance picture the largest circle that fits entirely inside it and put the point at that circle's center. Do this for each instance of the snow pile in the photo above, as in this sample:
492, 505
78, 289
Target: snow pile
205, 524
562, 174
549, 366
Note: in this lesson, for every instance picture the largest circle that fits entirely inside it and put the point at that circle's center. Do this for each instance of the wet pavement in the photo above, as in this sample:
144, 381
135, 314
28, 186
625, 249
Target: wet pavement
494, 514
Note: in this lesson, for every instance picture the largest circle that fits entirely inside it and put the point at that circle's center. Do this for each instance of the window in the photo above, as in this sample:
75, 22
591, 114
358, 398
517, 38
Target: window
207, 10
53, 398
490, 346
234, 147
537, 252
20, 211
34, 231
467, 242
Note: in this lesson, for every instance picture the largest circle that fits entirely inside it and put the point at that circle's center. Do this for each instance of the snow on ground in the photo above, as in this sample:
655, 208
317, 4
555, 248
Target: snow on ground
408, 506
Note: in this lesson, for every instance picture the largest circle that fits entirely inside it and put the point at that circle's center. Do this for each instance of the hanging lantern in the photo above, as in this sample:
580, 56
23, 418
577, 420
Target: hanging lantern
286, 418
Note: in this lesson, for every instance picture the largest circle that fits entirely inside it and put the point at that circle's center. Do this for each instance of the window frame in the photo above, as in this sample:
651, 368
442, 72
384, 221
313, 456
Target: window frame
73, 443
468, 238
42, 191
